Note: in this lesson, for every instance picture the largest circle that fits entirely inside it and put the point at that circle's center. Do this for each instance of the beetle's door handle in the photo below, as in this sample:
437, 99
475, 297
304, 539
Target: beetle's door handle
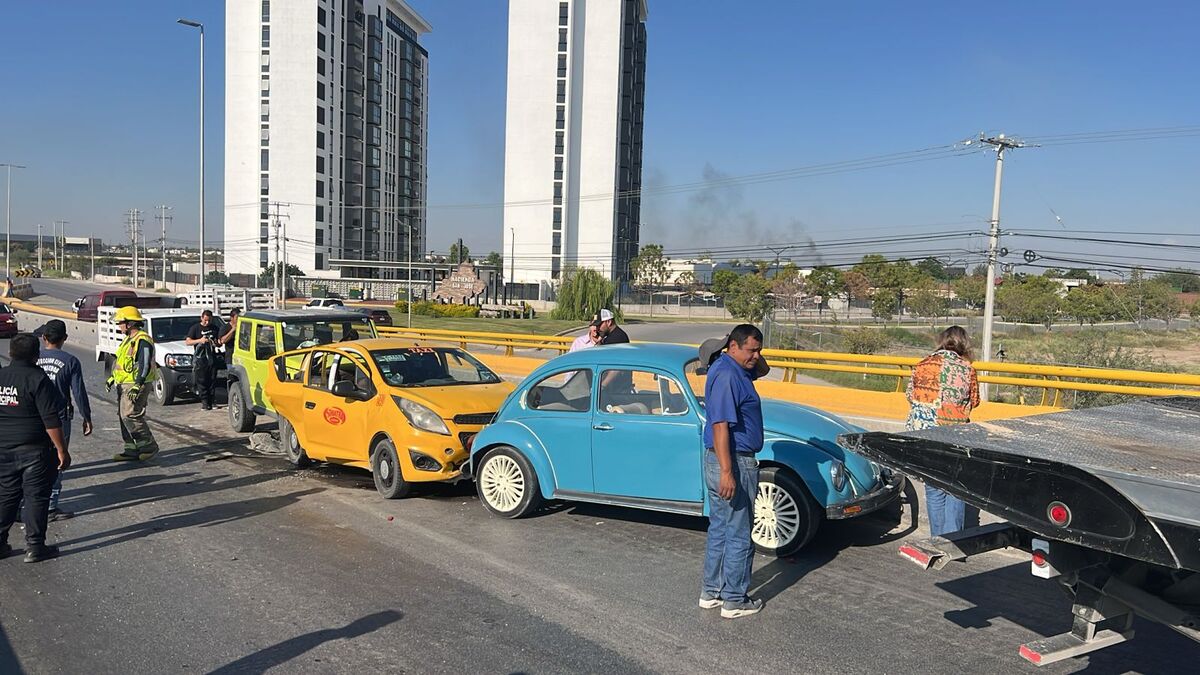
603, 426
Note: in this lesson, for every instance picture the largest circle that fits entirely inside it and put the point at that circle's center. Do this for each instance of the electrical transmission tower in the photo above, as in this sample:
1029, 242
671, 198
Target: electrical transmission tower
133, 224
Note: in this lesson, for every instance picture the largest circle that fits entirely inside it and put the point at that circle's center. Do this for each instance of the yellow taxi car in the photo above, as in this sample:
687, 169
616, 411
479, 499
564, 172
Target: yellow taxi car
403, 410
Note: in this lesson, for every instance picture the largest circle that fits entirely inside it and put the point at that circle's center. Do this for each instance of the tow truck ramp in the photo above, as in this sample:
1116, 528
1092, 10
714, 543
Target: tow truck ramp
1106, 501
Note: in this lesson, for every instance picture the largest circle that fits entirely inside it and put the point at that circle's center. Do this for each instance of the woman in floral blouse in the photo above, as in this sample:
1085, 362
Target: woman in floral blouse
944, 389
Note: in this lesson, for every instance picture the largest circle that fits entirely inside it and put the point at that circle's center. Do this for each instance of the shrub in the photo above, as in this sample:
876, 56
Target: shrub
865, 340
582, 294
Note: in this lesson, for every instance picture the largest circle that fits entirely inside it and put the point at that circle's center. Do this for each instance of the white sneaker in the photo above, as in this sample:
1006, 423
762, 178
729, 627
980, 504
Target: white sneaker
709, 601
733, 610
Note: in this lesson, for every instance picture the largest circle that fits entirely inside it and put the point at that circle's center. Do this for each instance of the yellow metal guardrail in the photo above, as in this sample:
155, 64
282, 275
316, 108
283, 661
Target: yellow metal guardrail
1051, 380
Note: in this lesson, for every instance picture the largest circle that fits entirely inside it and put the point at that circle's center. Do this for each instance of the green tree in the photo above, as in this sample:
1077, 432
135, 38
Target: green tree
582, 294
266, 278
932, 268
1031, 300
1087, 304
1184, 281
723, 281
216, 277
749, 298
459, 254
1078, 273
971, 290
873, 266
825, 282
650, 270
885, 302
927, 302
1194, 311
495, 260
1160, 301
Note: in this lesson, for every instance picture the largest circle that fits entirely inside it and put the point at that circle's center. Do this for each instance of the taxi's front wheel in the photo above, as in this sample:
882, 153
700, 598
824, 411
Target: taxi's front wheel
385, 467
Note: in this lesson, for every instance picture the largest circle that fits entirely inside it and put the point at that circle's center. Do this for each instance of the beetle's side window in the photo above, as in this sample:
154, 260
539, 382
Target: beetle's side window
564, 392
243, 336
650, 393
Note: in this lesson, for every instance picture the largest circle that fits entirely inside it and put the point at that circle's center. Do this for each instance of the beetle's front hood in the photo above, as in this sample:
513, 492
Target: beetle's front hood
461, 399
814, 427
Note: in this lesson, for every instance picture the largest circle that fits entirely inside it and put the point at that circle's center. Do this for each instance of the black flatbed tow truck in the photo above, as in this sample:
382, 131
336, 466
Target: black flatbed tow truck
1106, 501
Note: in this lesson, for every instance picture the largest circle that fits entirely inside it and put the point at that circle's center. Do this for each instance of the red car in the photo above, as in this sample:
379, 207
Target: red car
8, 321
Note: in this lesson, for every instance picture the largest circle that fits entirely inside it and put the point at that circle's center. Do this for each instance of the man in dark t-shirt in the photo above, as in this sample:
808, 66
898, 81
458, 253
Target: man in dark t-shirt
617, 381
66, 373
30, 435
203, 338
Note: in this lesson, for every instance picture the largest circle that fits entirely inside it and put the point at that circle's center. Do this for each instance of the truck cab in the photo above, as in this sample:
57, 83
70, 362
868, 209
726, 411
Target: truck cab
168, 328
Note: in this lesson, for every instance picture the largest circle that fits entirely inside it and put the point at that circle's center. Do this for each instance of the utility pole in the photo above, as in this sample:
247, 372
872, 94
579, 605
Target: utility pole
39, 246
8, 219
278, 277
163, 218
92, 254
62, 246
1000, 143
135, 226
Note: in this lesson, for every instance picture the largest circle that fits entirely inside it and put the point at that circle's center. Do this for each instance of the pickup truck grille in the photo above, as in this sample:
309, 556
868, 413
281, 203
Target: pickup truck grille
475, 418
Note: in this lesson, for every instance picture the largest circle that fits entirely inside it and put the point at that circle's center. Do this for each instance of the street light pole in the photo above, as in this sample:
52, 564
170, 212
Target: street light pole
197, 24
8, 220
1001, 143
39, 246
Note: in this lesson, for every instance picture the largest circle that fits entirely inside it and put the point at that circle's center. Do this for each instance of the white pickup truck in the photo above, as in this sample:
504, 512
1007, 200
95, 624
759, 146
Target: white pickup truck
169, 329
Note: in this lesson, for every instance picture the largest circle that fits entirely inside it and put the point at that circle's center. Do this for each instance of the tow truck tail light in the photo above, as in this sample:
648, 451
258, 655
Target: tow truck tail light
1040, 560
1059, 514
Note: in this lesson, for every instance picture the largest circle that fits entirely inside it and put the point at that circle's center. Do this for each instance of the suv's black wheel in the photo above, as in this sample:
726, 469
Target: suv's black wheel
507, 484
241, 418
385, 468
291, 444
164, 391
785, 515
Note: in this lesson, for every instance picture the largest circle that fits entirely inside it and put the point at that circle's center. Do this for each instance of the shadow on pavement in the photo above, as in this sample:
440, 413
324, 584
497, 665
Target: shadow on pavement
287, 650
166, 458
147, 488
9, 663
205, 516
1011, 594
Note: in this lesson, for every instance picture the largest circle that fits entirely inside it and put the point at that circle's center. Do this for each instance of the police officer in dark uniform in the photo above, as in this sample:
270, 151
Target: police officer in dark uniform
32, 448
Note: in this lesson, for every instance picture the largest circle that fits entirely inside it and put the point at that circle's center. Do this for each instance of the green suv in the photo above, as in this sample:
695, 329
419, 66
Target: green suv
265, 333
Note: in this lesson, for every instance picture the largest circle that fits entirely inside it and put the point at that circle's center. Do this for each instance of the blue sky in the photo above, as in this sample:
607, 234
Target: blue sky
101, 105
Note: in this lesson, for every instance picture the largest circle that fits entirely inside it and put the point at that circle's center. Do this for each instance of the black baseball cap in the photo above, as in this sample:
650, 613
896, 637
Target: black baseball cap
53, 330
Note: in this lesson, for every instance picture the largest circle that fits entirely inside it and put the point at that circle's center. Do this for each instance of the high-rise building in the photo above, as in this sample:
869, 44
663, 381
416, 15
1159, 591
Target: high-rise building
573, 140
325, 125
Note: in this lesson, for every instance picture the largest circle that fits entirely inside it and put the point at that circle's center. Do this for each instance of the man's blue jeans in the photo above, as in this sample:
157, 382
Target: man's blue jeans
54, 491
947, 513
729, 553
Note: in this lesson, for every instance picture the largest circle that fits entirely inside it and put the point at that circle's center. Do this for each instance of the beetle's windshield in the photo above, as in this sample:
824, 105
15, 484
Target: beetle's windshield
431, 367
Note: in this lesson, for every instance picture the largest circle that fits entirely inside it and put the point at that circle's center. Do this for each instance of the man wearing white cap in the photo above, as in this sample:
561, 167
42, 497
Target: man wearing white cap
610, 332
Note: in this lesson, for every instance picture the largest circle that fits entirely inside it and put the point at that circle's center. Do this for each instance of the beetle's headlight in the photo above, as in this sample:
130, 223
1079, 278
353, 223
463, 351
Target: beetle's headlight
420, 416
837, 473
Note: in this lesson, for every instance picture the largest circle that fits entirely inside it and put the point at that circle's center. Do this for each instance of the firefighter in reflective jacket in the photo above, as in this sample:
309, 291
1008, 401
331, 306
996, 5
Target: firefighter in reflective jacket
133, 371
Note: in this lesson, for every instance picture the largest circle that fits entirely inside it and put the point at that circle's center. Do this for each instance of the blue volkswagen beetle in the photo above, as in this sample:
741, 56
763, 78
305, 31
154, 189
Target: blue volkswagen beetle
622, 425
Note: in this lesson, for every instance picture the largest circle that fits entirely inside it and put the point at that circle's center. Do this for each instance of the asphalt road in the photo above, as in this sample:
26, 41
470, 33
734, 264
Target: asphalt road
240, 564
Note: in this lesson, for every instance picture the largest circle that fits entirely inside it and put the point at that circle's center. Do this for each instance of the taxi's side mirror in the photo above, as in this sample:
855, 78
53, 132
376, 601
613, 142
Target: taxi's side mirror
346, 389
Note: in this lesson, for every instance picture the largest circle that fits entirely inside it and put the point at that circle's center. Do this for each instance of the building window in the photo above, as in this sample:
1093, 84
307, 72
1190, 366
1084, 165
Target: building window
558, 193
262, 234
562, 65
320, 114
562, 91
321, 140
563, 13
320, 66
320, 237
321, 16
266, 62
265, 86
266, 36
320, 219
321, 91
264, 210
558, 168
556, 246
560, 120
558, 218
320, 261
264, 112
266, 7
320, 164
264, 160
262, 261
264, 185
558, 143
320, 188
320, 41
562, 39
555, 267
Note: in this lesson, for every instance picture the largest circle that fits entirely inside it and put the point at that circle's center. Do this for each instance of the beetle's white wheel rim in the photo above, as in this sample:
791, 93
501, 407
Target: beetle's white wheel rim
776, 517
503, 483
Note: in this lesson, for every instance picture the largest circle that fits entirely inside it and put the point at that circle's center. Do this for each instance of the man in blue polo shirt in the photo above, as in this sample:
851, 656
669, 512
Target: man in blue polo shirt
733, 435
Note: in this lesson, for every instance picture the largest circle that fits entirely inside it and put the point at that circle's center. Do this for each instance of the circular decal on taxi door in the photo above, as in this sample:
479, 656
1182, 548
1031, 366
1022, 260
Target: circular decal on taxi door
335, 416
